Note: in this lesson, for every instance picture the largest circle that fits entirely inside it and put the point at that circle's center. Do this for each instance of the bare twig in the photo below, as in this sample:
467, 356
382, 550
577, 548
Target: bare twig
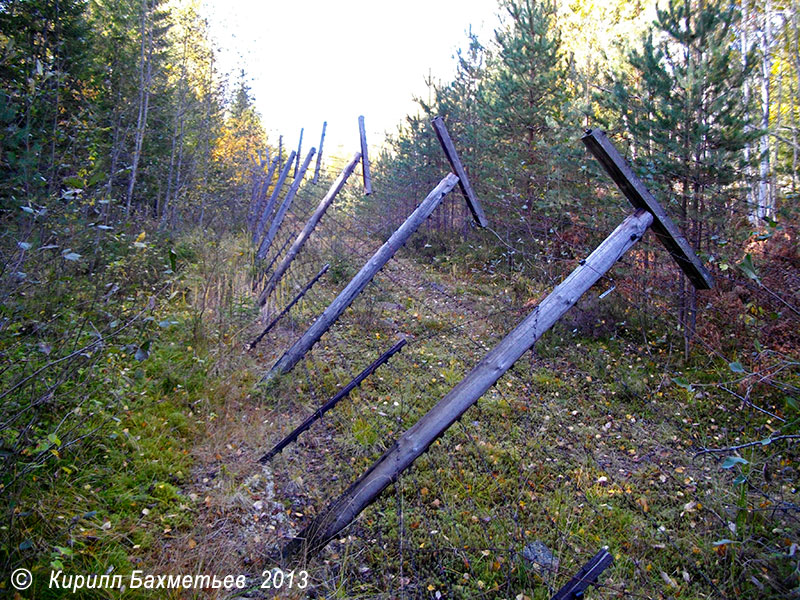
764, 442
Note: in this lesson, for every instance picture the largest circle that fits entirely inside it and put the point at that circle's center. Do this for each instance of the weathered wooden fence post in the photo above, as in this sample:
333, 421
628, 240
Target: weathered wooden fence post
264, 217
281, 213
458, 169
640, 197
312, 222
298, 153
262, 193
335, 309
364, 156
416, 440
319, 154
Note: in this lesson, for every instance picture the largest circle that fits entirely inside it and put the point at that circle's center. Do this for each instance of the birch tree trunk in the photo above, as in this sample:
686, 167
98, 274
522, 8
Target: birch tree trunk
145, 77
765, 193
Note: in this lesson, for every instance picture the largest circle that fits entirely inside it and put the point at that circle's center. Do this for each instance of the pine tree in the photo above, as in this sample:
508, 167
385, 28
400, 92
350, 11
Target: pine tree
686, 120
524, 104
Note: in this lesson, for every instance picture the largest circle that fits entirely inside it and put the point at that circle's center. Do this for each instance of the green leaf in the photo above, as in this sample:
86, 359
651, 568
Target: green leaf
732, 461
736, 367
748, 268
54, 439
26, 545
792, 403
173, 259
681, 382
740, 479
757, 346
96, 177
143, 351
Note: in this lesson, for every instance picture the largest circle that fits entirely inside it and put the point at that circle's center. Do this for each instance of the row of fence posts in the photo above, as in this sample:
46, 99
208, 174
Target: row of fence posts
330, 521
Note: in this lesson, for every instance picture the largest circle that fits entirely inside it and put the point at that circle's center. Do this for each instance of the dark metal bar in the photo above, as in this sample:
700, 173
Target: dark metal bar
277, 254
458, 168
585, 577
288, 307
364, 157
340, 395
638, 195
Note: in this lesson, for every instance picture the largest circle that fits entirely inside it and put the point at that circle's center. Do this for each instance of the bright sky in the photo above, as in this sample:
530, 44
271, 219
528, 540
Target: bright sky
333, 60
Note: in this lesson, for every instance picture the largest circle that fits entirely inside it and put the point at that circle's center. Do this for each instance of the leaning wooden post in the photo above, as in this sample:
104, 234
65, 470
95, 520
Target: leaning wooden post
319, 154
281, 213
416, 440
458, 169
334, 310
265, 214
312, 222
364, 157
262, 194
640, 197
299, 149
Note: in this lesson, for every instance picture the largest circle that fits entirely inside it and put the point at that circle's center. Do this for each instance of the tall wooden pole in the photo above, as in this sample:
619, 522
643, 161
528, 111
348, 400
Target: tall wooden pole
262, 222
310, 225
299, 149
335, 309
319, 154
364, 156
262, 195
458, 168
640, 197
281, 213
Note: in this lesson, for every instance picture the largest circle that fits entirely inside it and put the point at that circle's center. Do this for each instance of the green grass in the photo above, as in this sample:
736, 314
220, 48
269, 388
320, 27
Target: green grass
98, 482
